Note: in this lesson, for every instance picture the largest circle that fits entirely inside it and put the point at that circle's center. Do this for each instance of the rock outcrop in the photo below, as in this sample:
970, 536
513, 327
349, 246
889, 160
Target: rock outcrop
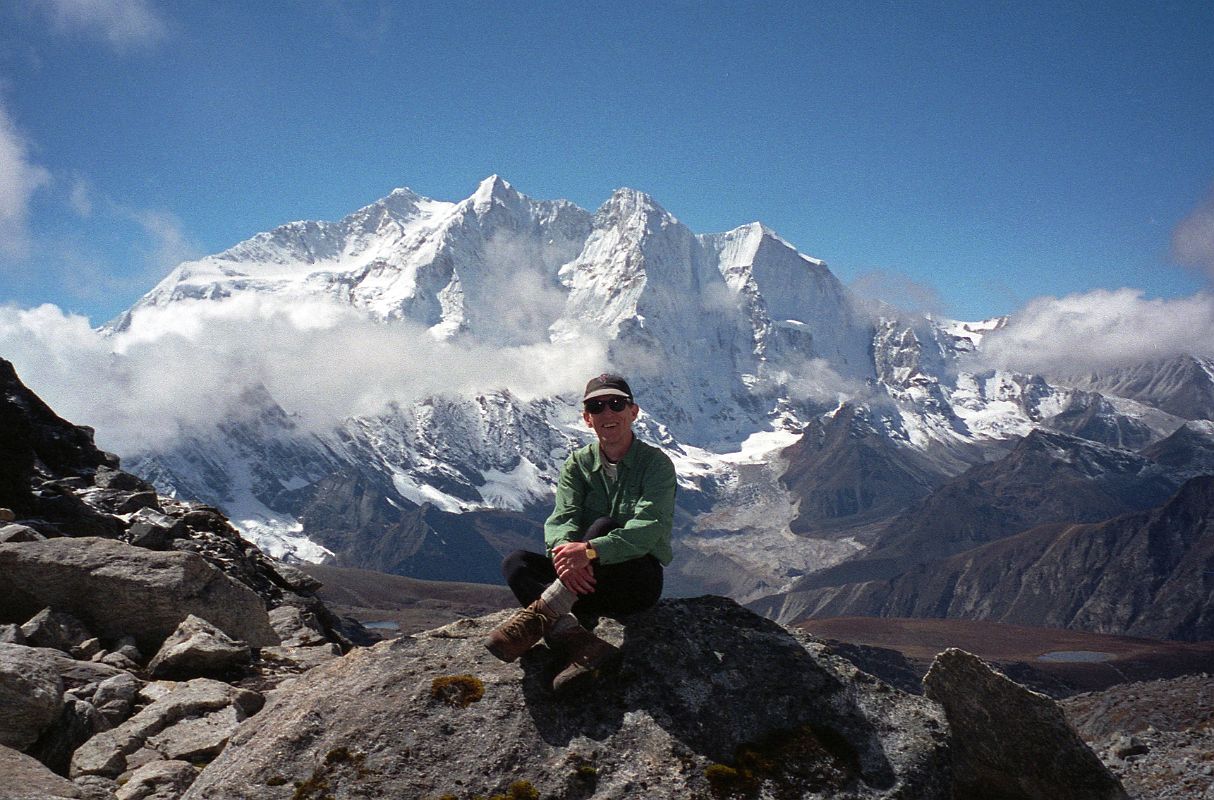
120, 590
96, 571
31, 695
707, 695
1011, 743
709, 701
25, 778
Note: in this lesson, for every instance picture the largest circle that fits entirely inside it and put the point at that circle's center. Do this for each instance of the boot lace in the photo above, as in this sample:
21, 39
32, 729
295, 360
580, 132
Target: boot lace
522, 623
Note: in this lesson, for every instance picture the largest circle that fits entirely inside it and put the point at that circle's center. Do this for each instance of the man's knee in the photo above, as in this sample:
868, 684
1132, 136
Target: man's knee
514, 563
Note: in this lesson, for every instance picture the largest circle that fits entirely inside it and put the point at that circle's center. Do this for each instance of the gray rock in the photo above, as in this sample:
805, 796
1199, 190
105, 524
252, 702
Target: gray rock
10, 633
120, 660
699, 682
55, 629
110, 478
89, 648
153, 529
1011, 743
159, 780
300, 659
198, 739
115, 696
106, 753
31, 694
19, 533
79, 722
197, 648
94, 787
1125, 746
25, 778
296, 578
76, 673
297, 627
117, 589
7, 515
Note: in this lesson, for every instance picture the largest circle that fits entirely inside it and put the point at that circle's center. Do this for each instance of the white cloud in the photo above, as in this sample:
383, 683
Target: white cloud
1193, 239
813, 379
123, 24
19, 179
189, 365
1101, 329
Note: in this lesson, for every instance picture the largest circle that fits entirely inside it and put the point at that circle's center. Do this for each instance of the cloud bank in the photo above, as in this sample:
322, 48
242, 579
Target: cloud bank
189, 366
1099, 330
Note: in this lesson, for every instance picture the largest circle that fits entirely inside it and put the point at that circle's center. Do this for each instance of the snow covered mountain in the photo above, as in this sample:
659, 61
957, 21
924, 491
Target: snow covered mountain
735, 342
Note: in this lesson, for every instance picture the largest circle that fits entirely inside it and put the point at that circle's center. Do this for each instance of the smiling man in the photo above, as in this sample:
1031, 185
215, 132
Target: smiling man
607, 539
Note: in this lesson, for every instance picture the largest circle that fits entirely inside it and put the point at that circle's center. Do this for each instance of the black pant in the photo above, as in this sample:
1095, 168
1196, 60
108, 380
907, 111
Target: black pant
623, 588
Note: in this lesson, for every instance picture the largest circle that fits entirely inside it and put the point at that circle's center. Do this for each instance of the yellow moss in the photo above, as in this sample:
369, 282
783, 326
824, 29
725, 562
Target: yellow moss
457, 690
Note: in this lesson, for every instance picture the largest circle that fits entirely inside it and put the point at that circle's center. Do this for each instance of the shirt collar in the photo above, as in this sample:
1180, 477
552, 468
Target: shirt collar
626, 461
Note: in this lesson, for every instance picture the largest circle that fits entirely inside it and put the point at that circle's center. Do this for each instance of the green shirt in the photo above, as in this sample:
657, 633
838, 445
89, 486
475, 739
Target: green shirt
641, 500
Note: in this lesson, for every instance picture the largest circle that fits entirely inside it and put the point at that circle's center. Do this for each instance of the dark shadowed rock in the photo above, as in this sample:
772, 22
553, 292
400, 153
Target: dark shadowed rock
706, 694
10, 633
196, 649
37, 444
56, 629
31, 694
24, 778
19, 533
1010, 743
117, 590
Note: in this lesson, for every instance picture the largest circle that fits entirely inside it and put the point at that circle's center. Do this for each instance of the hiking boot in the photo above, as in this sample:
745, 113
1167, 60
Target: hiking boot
588, 654
518, 634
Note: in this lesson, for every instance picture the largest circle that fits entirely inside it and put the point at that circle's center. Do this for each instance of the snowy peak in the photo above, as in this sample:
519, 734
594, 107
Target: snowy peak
495, 191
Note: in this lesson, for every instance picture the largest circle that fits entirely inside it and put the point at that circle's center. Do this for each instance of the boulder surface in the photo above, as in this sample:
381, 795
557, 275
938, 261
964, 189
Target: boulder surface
1011, 743
117, 589
708, 699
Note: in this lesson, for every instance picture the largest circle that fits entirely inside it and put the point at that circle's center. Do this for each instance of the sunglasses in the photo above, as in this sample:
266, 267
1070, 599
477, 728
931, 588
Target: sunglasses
616, 404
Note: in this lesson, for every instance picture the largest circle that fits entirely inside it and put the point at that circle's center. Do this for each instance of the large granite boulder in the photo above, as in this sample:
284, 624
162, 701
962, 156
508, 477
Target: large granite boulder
197, 649
31, 694
1010, 743
25, 778
708, 699
118, 590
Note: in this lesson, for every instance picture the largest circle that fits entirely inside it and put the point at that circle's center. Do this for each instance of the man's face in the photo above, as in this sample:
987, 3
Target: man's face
612, 427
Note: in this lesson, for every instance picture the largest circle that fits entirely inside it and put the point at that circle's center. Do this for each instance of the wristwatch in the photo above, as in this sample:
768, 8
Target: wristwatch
591, 553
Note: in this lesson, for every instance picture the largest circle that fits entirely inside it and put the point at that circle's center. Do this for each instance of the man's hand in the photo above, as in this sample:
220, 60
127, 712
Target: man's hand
573, 567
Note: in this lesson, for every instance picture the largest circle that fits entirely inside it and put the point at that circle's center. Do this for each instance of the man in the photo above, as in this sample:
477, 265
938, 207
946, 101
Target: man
607, 539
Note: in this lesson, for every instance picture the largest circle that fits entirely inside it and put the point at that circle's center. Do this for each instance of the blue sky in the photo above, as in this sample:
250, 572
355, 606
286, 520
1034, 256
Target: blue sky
978, 154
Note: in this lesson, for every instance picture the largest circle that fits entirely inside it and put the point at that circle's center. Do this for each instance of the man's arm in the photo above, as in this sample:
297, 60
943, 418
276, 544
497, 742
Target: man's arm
652, 520
562, 524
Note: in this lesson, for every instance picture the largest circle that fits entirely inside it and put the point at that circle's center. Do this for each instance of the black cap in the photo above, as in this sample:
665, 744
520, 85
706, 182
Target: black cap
607, 385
